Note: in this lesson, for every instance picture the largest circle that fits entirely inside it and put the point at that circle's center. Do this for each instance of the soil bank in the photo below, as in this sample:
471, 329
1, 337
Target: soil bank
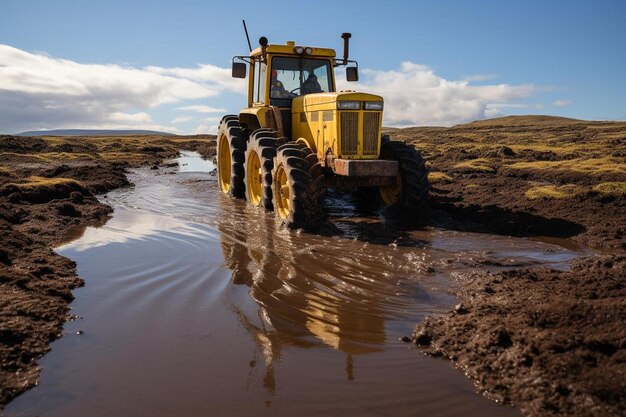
550, 342
47, 196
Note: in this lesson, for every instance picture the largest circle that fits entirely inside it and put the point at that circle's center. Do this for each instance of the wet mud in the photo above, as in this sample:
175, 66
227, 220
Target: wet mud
527, 330
204, 301
556, 347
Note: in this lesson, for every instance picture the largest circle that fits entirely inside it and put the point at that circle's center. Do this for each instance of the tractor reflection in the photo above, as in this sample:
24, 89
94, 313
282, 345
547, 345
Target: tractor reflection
302, 299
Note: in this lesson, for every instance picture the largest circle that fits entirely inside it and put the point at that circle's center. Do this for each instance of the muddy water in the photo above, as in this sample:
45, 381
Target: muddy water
198, 305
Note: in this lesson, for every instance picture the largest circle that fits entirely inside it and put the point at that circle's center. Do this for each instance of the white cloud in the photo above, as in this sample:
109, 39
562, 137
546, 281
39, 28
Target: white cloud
415, 95
42, 92
201, 109
181, 119
562, 103
205, 129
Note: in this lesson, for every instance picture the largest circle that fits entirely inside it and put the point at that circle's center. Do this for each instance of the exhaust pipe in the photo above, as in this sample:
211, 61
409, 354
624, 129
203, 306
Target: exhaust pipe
346, 46
263, 42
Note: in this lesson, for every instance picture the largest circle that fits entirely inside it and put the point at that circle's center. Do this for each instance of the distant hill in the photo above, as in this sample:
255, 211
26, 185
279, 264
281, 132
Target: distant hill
517, 121
92, 132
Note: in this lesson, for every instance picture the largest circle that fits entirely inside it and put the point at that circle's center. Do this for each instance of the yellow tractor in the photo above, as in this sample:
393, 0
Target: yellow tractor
298, 137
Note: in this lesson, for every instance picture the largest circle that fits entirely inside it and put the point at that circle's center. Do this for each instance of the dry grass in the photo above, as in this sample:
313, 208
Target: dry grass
34, 182
553, 192
593, 166
438, 176
132, 158
477, 165
47, 157
613, 189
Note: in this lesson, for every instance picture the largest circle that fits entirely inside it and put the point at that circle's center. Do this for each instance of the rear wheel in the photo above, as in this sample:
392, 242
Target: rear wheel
296, 194
231, 146
259, 162
411, 187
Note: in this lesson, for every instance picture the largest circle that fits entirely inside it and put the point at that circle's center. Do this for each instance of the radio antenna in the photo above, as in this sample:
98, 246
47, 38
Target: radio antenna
247, 37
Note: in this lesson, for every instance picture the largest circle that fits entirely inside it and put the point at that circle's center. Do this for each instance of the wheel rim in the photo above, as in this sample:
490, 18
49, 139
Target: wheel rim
282, 192
254, 179
224, 164
391, 193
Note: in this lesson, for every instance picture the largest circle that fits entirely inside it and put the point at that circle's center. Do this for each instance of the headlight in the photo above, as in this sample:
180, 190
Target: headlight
299, 49
308, 51
348, 105
373, 105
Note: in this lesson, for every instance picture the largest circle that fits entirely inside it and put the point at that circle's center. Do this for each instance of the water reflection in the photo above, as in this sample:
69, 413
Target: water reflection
303, 300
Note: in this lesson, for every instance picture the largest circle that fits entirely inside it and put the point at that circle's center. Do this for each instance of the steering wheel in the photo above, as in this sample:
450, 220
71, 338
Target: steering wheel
294, 91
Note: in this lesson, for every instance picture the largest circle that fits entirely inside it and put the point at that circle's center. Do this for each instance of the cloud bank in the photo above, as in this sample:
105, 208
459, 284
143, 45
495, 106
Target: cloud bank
415, 95
42, 92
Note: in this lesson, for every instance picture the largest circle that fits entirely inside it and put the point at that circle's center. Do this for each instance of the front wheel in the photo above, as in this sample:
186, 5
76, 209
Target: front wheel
296, 199
259, 158
231, 146
412, 185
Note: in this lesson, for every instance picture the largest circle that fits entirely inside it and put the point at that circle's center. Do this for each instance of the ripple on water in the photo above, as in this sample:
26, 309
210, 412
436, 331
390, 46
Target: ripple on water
198, 304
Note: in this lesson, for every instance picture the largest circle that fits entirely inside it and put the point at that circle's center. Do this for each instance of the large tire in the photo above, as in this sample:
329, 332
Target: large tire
412, 187
259, 162
231, 148
296, 195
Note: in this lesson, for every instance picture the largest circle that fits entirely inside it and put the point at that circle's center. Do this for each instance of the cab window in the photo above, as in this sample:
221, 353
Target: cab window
258, 92
292, 77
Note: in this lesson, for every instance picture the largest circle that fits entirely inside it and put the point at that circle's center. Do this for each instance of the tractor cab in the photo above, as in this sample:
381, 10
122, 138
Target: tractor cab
279, 74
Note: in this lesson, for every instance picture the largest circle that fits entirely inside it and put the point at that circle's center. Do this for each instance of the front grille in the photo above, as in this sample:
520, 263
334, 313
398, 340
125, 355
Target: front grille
371, 121
349, 133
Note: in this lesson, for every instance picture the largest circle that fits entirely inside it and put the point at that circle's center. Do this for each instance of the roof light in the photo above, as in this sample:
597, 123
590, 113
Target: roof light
309, 51
298, 49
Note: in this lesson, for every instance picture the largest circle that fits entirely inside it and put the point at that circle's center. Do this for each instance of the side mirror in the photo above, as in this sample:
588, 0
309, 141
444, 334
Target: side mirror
239, 70
352, 73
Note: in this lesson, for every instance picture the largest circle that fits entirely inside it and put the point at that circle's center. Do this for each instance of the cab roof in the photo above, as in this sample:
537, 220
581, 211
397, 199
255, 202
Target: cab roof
289, 49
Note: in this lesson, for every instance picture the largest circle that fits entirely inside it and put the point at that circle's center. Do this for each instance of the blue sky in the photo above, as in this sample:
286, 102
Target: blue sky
468, 59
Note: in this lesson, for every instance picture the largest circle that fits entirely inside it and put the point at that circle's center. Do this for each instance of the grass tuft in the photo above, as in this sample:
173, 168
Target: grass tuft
613, 189
438, 176
34, 182
553, 192
593, 166
477, 165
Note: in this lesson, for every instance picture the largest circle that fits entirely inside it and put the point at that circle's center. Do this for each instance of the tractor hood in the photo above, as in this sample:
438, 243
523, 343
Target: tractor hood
328, 101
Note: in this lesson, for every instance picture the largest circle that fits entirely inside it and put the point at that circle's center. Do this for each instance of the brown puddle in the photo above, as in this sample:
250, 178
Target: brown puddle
198, 305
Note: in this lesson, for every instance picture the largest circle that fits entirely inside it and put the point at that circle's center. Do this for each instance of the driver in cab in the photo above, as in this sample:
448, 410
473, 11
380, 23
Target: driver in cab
277, 88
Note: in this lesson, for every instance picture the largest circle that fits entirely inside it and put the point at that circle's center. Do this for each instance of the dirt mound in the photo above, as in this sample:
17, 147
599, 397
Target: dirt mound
22, 144
551, 342
39, 190
97, 178
208, 150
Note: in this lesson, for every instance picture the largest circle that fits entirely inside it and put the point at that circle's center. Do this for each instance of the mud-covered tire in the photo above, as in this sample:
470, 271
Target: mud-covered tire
413, 176
231, 148
296, 197
259, 157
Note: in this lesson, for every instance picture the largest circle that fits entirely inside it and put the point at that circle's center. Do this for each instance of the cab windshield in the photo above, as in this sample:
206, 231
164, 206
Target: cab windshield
292, 77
